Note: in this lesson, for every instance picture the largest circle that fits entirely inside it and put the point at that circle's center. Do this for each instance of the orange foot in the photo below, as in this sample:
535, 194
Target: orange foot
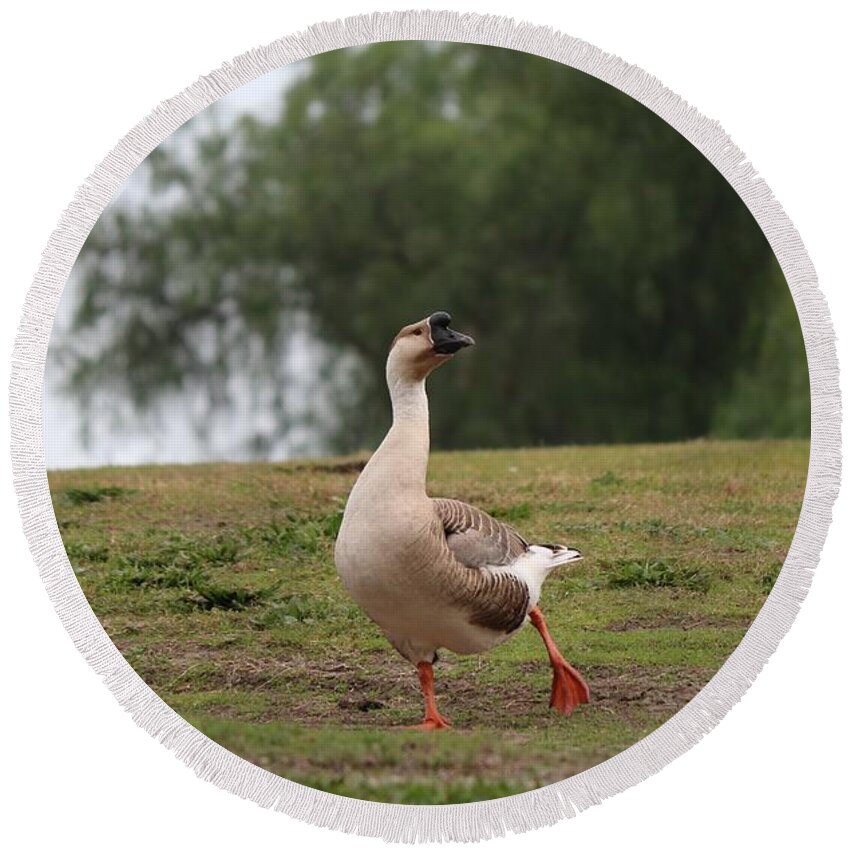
568, 688
432, 724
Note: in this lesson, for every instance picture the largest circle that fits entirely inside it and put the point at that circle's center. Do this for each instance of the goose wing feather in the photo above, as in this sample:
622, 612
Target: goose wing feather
495, 600
475, 538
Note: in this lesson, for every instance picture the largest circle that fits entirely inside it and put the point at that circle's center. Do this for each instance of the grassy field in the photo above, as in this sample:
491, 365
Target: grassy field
217, 584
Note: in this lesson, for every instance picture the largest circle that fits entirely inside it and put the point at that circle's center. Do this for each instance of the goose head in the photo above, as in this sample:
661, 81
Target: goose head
420, 348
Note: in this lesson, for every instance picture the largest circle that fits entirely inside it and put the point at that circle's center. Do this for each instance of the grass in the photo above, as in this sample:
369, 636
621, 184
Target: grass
217, 584
84, 495
652, 573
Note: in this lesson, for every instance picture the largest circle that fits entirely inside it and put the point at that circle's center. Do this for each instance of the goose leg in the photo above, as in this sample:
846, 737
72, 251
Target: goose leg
568, 687
433, 718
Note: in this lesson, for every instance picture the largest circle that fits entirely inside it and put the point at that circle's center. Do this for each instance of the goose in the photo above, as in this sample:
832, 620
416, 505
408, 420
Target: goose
437, 573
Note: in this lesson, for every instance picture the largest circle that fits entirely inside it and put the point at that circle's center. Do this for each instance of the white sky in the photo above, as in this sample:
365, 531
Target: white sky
166, 439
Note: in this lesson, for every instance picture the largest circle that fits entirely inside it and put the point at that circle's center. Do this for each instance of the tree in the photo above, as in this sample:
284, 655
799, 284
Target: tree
610, 274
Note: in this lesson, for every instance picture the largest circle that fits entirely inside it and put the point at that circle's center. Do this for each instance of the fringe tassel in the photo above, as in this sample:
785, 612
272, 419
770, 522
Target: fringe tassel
475, 821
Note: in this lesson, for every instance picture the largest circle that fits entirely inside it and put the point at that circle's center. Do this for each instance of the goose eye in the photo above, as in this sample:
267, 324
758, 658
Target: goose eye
418, 332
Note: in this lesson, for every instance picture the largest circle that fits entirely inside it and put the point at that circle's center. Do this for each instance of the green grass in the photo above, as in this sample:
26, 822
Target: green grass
84, 495
651, 573
217, 584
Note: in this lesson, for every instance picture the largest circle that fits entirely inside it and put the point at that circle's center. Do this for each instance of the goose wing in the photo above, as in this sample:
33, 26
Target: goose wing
475, 538
497, 600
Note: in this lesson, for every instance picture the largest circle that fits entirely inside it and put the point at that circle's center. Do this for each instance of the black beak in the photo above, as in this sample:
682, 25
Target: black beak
447, 341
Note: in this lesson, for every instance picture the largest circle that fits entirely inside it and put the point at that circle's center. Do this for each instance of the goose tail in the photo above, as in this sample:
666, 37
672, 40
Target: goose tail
558, 555
539, 561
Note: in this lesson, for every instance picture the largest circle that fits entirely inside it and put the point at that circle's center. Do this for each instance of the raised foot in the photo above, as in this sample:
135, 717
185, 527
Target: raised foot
569, 689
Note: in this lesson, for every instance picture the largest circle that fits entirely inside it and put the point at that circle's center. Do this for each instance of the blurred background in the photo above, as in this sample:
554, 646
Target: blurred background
237, 299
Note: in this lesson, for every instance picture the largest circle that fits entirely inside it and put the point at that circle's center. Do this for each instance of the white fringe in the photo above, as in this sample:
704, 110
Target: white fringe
473, 821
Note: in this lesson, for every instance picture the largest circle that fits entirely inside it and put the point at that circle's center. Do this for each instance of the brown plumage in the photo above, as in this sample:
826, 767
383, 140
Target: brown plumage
495, 600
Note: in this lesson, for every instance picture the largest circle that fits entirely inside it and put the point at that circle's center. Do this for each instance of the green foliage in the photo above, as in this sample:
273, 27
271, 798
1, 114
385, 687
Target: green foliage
656, 573
617, 286
184, 563
87, 495
296, 535
86, 553
609, 479
208, 595
770, 393
292, 609
769, 576
170, 566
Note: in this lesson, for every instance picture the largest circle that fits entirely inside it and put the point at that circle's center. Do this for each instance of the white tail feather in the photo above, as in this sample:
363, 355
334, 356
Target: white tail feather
535, 565
557, 555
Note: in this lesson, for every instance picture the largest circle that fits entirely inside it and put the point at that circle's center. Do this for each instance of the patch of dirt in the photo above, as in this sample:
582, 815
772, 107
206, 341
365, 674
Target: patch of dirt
360, 705
374, 690
658, 690
684, 621
347, 467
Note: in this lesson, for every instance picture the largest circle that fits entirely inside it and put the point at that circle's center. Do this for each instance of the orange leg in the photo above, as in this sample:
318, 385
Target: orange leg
568, 687
433, 718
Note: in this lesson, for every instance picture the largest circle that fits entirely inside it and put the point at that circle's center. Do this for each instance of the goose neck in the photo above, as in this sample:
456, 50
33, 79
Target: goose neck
403, 456
409, 402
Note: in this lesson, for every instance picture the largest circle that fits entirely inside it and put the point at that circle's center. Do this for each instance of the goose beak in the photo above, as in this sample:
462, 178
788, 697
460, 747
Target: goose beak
446, 340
